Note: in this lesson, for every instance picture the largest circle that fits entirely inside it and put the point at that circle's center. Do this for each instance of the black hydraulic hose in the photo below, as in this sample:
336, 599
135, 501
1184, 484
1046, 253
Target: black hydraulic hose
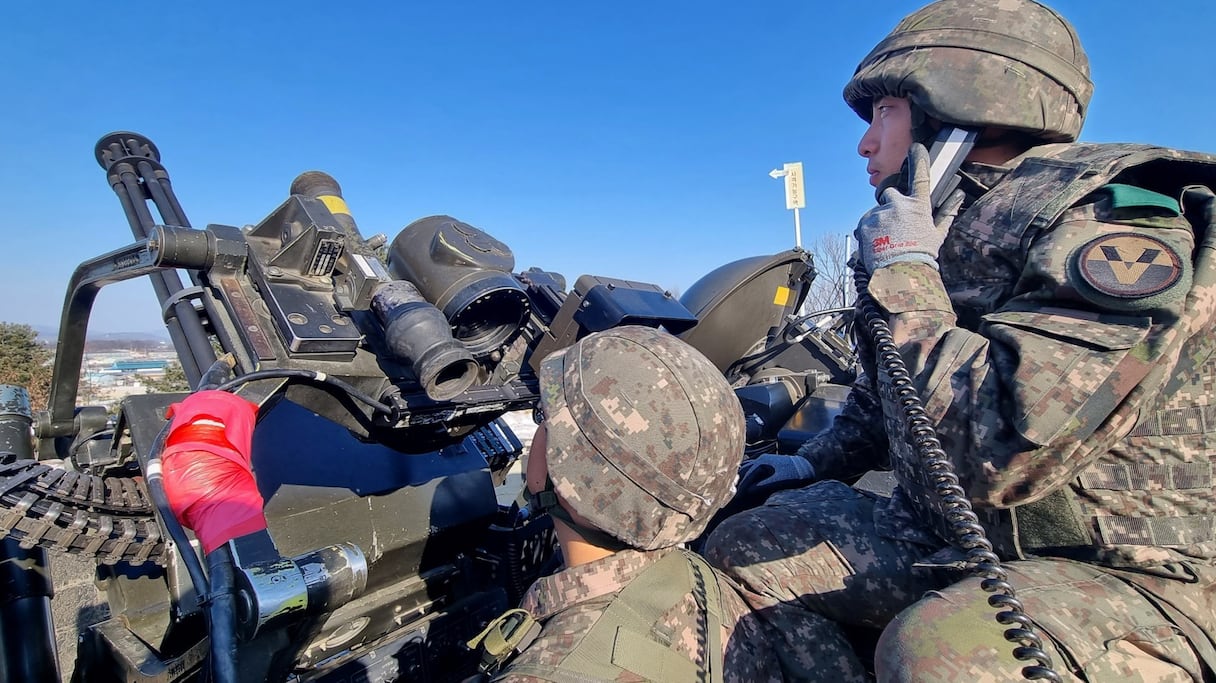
216, 594
219, 371
154, 478
313, 376
222, 613
964, 524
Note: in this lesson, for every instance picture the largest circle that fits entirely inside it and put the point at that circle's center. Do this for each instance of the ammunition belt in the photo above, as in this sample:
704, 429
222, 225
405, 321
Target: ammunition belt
110, 518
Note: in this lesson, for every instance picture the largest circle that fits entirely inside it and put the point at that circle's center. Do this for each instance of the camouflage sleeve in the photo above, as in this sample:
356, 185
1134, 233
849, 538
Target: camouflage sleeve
1054, 376
856, 441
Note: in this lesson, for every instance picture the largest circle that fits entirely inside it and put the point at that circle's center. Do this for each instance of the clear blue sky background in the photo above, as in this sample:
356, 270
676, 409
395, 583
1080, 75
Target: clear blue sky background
628, 139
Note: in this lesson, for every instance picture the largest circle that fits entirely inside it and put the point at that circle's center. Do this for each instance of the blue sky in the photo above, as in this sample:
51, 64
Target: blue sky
626, 139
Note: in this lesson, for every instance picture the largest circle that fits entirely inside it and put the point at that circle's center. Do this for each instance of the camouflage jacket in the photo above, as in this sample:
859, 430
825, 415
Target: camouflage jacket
570, 602
1064, 353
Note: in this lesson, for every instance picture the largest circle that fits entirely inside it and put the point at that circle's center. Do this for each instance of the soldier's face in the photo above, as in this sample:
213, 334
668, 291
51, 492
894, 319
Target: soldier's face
886, 142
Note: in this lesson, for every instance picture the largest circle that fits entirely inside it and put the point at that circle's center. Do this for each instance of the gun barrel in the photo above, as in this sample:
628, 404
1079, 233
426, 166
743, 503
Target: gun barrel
132, 165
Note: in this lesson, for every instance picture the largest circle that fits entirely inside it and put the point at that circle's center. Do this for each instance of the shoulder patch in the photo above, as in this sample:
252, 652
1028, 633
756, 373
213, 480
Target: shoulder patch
1128, 265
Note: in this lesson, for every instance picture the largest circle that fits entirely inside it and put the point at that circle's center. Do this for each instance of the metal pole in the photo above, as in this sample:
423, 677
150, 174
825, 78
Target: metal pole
797, 230
844, 280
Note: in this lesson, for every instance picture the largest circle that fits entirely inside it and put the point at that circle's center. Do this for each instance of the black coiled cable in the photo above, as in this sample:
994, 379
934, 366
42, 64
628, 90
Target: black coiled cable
968, 533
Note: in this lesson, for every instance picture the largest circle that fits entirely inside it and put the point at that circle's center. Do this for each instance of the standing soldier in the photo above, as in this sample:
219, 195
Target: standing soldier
638, 446
1056, 320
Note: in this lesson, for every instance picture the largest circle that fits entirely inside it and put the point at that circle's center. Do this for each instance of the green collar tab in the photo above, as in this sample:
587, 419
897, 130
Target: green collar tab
1129, 196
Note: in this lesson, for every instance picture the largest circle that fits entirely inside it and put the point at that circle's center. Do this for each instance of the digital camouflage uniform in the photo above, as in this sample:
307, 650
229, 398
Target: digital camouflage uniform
1064, 353
642, 435
570, 602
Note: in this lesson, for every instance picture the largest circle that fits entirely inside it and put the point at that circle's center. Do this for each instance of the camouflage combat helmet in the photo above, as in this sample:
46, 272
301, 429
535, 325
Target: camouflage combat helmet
644, 435
978, 63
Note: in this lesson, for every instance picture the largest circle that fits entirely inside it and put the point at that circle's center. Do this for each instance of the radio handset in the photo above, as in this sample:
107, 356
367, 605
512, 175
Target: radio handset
946, 154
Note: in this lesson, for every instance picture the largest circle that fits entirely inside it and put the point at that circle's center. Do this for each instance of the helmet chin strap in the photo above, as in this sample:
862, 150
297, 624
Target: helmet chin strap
546, 500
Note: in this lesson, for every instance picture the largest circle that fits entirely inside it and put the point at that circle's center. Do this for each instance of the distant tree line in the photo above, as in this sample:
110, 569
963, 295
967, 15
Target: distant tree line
25, 362
142, 345
173, 380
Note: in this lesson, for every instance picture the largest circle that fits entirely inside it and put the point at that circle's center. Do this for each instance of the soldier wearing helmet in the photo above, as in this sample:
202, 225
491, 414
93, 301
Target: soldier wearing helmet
1054, 315
640, 439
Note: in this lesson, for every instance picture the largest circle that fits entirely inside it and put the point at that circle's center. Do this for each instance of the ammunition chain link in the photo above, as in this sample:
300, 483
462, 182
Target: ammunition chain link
110, 518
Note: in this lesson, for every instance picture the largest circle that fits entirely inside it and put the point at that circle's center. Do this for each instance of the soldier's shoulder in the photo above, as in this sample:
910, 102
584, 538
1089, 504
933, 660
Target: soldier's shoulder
1072, 151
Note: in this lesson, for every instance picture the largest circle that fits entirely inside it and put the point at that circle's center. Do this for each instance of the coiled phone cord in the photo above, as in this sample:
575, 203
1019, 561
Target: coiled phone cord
968, 533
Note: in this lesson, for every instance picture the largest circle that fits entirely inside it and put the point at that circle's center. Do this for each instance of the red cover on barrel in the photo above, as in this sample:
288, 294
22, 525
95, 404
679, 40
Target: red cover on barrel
207, 469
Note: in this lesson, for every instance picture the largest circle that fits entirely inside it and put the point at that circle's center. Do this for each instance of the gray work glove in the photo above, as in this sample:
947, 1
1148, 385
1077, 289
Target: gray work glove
902, 227
769, 472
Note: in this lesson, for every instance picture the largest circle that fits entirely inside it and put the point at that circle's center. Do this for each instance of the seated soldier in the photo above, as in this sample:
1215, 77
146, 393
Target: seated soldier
638, 446
1056, 320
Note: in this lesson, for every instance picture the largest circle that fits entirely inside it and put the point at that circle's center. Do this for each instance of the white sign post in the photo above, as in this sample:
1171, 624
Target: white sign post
795, 198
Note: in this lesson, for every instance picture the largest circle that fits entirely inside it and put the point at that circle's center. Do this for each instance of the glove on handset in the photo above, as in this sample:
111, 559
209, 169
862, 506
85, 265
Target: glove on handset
902, 227
207, 469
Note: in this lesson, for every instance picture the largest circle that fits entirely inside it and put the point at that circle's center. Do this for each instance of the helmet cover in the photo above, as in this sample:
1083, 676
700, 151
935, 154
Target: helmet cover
644, 434
1014, 64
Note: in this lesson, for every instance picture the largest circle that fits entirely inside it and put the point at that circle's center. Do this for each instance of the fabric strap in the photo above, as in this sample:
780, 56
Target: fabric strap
628, 636
546, 501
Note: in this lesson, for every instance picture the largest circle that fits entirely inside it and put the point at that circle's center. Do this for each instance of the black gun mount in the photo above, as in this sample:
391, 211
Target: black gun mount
381, 369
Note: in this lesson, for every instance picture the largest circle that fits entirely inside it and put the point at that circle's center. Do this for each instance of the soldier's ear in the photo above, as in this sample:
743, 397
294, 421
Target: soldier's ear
536, 466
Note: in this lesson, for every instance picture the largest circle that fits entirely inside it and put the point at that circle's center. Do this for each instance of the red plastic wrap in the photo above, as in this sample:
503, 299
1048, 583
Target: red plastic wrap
207, 470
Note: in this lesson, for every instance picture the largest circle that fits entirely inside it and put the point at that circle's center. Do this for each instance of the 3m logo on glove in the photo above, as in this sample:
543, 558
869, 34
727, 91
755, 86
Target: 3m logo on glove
884, 244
